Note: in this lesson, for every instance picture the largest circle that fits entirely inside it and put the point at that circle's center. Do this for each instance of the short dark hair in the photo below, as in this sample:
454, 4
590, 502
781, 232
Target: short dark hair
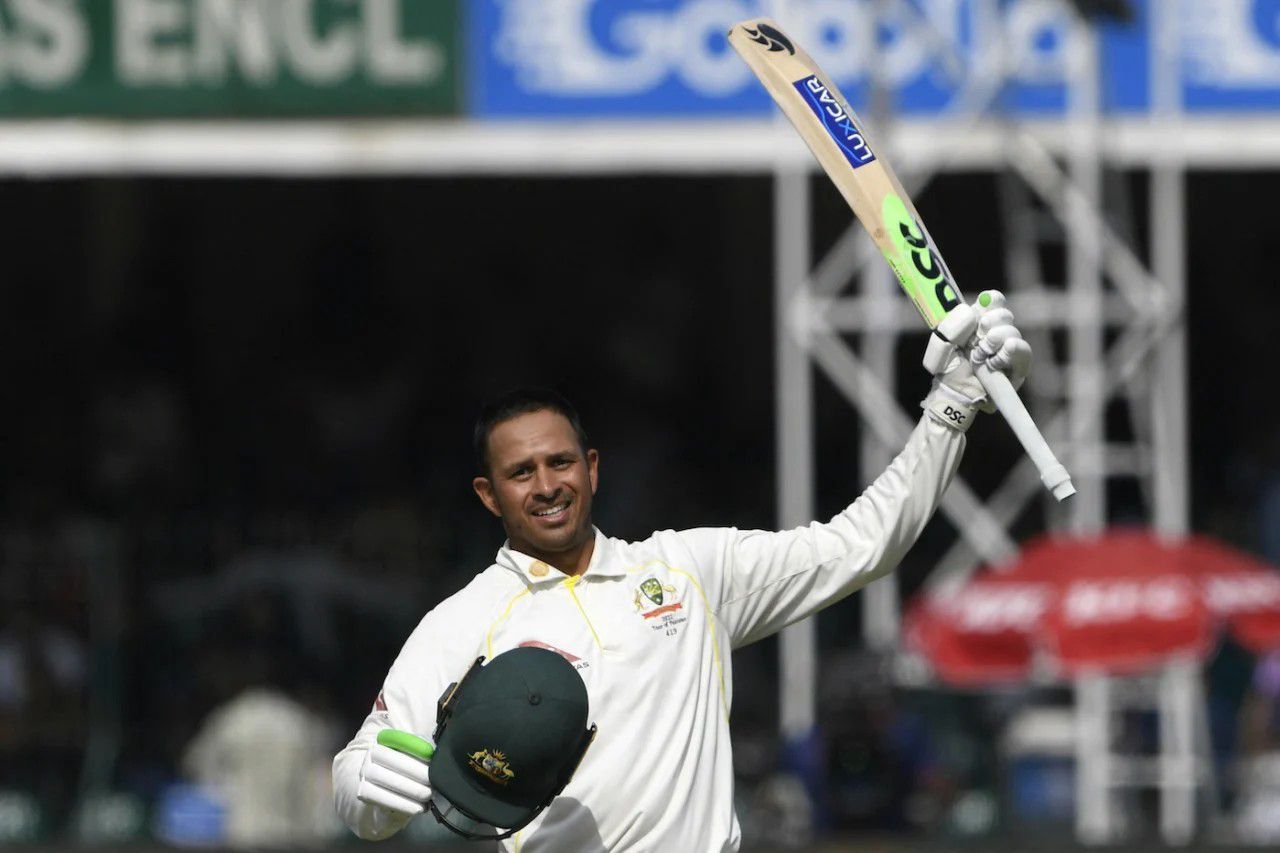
513, 404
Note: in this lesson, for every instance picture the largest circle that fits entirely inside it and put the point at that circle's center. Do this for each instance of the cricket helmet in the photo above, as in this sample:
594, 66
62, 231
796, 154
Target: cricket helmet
508, 737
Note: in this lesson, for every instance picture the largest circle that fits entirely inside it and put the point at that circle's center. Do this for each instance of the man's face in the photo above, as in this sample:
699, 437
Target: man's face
540, 483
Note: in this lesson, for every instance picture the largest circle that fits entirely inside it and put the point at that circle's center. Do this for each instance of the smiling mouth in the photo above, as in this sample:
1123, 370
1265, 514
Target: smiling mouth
553, 512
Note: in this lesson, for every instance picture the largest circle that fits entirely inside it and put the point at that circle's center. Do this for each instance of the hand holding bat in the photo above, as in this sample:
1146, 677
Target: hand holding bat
831, 130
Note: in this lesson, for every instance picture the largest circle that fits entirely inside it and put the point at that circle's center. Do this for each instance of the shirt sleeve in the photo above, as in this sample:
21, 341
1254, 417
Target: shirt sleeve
438, 653
761, 581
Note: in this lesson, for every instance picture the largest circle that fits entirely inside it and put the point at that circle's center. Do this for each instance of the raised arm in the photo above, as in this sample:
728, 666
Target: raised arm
762, 581
767, 580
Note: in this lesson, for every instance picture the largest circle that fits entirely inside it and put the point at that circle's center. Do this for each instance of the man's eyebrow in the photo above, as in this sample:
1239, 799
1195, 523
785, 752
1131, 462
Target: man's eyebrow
512, 467
554, 456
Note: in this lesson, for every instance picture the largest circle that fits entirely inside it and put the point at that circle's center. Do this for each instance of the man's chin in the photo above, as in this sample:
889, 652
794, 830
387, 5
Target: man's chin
559, 540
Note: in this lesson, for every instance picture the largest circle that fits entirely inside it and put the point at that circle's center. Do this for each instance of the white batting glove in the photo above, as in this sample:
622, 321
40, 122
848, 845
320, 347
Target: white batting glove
969, 336
394, 779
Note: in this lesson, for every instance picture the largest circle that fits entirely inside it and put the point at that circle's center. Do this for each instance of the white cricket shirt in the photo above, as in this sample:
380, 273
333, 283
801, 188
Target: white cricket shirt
650, 626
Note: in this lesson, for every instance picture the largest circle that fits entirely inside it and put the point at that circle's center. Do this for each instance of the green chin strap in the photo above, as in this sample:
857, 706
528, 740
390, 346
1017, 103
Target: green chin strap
409, 744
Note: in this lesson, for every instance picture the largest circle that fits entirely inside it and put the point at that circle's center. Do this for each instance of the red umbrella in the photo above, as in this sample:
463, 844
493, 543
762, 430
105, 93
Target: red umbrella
1119, 603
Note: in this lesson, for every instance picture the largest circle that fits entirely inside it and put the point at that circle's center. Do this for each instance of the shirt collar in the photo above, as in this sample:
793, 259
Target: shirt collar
536, 571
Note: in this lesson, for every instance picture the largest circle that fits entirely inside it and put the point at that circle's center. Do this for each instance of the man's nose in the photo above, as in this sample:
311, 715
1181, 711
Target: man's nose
546, 482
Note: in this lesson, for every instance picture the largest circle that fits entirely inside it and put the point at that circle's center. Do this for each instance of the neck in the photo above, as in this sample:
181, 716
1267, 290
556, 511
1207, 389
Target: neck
572, 561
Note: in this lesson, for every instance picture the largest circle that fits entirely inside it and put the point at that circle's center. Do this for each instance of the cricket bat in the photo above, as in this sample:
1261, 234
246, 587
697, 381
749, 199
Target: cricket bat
836, 137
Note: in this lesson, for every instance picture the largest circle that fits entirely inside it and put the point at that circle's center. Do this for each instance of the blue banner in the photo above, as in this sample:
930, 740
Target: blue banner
1231, 54
669, 58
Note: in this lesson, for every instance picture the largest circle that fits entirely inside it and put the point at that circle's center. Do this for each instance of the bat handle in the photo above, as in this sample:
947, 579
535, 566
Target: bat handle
1052, 472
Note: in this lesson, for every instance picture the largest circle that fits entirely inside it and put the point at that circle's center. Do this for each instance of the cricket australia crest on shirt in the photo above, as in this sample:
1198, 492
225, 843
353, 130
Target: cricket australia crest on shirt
492, 765
659, 604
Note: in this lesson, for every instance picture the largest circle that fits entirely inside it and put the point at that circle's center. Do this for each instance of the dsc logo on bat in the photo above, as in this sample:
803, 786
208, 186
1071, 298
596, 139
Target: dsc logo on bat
921, 271
836, 119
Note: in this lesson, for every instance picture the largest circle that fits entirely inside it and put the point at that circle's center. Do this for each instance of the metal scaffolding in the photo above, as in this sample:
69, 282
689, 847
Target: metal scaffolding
1125, 346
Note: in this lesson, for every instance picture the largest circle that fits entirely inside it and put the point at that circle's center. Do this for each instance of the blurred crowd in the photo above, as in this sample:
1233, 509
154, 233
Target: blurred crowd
187, 674
232, 490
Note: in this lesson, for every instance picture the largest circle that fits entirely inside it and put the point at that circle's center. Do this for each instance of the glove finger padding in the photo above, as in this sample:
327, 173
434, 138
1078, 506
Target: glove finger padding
968, 336
955, 331
394, 780
378, 796
959, 324
992, 342
1013, 358
999, 343
993, 318
414, 769
989, 300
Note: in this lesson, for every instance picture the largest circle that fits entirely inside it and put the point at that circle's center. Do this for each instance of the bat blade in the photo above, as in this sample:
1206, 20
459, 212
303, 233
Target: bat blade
828, 125
833, 132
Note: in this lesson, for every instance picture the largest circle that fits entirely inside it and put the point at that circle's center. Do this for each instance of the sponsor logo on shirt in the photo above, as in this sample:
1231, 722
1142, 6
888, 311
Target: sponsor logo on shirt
578, 663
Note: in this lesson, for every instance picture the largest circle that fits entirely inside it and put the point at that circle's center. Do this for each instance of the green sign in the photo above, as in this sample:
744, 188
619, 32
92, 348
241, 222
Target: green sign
176, 58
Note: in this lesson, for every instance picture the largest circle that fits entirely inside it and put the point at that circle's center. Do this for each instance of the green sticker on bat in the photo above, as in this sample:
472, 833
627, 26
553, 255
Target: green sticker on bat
923, 274
409, 744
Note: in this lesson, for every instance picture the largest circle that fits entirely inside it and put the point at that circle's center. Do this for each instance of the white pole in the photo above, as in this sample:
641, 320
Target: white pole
879, 600
1084, 274
1094, 758
1179, 770
880, 605
1168, 252
1179, 761
1094, 824
794, 401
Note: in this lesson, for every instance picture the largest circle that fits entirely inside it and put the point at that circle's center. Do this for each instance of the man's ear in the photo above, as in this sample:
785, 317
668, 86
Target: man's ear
484, 491
593, 469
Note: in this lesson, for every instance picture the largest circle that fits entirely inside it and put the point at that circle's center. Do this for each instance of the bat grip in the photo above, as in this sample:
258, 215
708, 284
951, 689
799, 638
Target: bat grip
1052, 472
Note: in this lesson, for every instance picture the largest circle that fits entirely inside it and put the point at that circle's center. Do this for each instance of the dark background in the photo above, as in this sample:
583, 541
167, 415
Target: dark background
204, 372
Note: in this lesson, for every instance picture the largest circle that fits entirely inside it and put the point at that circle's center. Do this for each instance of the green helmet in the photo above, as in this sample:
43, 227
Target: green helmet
509, 736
